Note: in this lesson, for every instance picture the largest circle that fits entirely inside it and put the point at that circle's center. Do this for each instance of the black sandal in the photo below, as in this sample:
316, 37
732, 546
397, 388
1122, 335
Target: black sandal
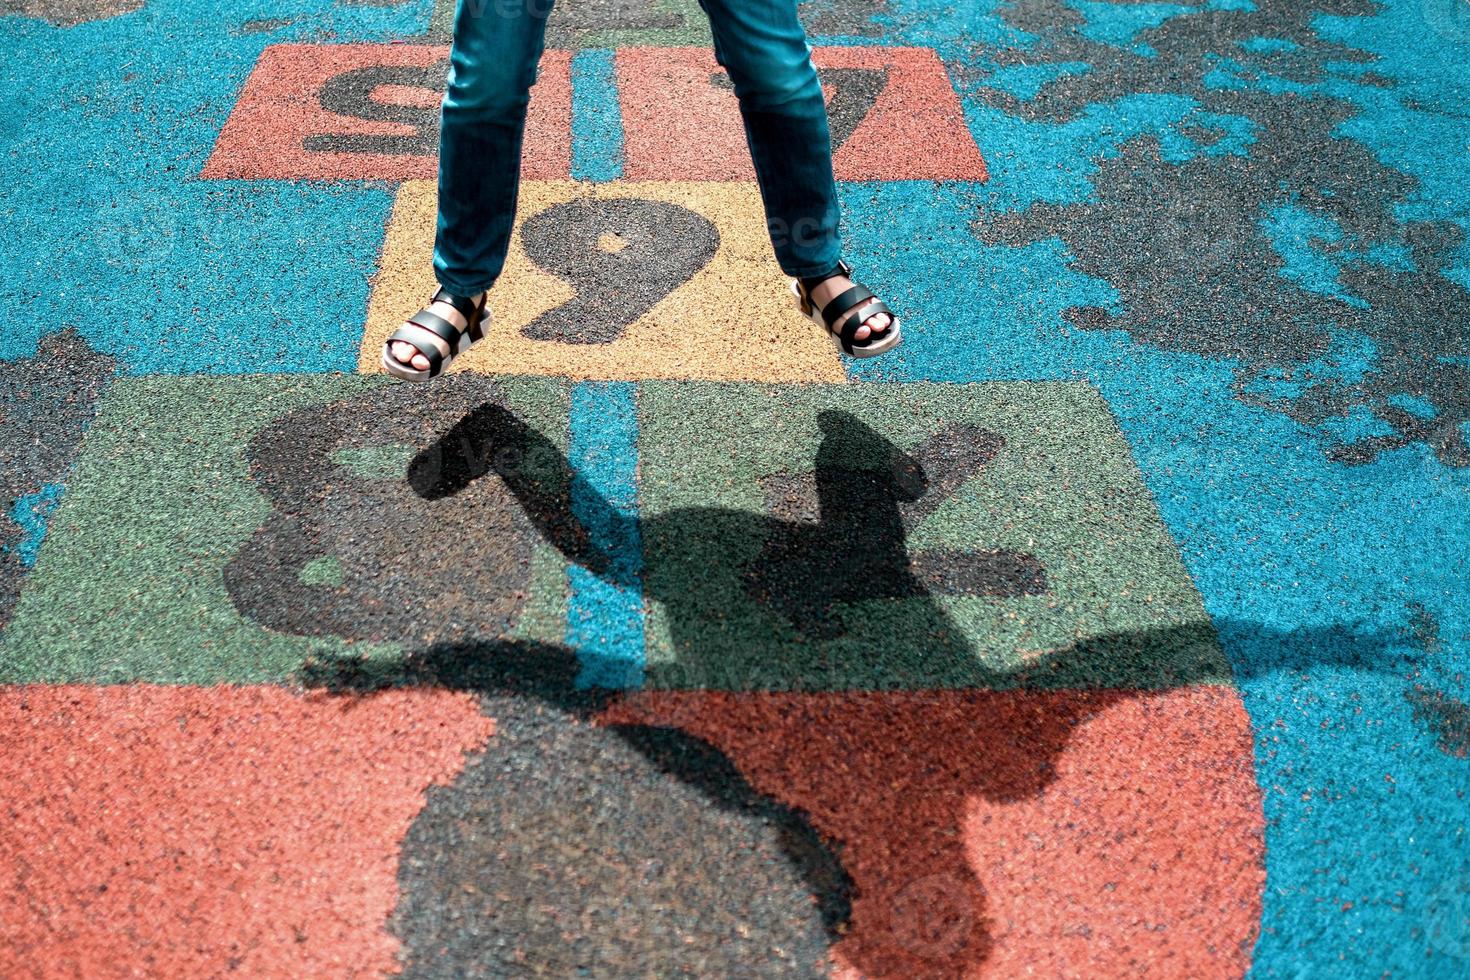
436, 338
828, 317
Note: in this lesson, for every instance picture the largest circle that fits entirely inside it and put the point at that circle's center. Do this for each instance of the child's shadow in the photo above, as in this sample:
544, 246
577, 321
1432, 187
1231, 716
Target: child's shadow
822, 592
807, 573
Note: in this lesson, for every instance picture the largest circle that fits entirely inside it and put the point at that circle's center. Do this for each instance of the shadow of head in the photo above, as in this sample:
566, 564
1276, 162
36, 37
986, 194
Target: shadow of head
849, 444
545, 675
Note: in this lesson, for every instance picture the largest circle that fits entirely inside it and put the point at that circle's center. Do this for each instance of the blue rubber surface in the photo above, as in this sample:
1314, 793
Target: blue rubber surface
1247, 224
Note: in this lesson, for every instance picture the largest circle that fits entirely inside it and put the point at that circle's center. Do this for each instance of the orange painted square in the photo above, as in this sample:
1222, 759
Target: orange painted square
281, 107
1012, 833
680, 124
198, 832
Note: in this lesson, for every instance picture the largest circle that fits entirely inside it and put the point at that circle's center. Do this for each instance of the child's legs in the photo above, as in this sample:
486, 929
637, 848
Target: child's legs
493, 64
763, 46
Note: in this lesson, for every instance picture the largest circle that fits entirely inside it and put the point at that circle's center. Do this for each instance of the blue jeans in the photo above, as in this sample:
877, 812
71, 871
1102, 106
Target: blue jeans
493, 64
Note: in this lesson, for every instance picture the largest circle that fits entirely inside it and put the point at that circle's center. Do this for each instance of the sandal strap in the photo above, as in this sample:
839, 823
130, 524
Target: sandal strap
467, 307
850, 328
845, 301
416, 339
436, 324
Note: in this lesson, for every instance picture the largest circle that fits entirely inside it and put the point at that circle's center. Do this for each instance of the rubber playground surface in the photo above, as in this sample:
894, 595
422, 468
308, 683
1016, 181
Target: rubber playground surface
1116, 623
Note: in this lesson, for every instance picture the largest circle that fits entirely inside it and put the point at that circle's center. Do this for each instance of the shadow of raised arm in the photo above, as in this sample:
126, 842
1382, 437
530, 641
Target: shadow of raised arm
492, 438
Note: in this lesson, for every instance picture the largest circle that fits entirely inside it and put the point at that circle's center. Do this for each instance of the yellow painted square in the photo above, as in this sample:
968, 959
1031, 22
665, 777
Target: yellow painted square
734, 319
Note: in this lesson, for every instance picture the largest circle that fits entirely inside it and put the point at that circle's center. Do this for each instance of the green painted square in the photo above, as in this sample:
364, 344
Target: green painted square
234, 529
884, 536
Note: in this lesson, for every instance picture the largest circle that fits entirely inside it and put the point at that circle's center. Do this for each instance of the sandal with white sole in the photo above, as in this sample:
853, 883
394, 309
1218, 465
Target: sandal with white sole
435, 337
830, 315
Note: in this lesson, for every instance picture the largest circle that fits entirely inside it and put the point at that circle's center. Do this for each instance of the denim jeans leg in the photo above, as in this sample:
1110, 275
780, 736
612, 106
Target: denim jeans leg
762, 44
493, 63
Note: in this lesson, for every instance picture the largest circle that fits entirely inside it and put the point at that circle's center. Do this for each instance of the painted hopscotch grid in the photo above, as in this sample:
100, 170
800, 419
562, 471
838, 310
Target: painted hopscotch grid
234, 529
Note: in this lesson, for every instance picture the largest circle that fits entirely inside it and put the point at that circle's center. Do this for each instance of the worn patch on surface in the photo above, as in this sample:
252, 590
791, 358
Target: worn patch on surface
1445, 717
68, 13
1260, 234
617, 281
46, 403
198, 831
605, 23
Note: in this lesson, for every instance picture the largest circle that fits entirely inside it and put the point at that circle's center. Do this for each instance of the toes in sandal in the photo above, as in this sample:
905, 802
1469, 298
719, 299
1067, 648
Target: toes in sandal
831, 314
435, 337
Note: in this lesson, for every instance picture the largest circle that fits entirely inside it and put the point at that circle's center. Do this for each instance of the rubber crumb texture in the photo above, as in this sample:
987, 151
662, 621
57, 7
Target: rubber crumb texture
876, 96
1066, 833
228, 530
577, 298
70, 13
177, 831
46, 403
386, 120
569, 849
762, 565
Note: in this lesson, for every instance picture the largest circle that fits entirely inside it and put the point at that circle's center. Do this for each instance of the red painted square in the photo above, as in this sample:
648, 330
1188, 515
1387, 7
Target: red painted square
370, 112
894, 116
191, 832
1021, 833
